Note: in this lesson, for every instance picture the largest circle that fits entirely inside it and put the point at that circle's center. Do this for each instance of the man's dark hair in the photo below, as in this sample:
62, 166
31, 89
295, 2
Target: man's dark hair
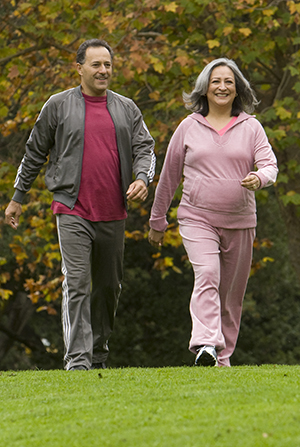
81, 53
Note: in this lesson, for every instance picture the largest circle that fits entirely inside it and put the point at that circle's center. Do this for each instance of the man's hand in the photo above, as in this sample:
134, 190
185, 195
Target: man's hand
137, 191
156, 238
12, 214
251, 182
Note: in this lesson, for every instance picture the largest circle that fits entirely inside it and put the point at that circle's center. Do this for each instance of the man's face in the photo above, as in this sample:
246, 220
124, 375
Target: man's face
96, 71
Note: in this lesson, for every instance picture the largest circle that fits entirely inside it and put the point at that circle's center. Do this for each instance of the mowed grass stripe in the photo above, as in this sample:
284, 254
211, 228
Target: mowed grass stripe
226, 407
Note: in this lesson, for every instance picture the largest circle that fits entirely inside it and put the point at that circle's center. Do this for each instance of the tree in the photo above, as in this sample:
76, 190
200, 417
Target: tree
160, 46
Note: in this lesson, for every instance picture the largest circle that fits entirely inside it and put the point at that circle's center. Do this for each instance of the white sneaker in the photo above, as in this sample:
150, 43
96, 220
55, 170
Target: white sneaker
206, 356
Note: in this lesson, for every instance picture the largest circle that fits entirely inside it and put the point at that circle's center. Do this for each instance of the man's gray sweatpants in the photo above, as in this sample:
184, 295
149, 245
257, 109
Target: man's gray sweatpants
92, 265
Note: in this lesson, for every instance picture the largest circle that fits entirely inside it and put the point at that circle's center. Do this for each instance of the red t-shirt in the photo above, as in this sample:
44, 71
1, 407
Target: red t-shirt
100, 195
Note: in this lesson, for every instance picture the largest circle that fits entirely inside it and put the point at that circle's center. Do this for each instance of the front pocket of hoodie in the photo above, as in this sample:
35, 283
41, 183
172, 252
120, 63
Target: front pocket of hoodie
220, 195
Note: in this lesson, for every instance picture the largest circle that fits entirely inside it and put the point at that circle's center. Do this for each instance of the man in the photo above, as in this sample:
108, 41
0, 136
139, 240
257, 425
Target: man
95, 138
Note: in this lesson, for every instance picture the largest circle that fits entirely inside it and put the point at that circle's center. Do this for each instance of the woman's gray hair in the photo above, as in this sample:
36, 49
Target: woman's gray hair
244, 101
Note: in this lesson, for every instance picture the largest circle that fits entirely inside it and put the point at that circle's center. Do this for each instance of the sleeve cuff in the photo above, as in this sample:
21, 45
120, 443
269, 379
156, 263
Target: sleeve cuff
18, 196
142, 176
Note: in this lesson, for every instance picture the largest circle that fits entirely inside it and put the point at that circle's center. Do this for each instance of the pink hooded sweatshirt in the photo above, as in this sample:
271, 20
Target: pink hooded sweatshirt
213, 167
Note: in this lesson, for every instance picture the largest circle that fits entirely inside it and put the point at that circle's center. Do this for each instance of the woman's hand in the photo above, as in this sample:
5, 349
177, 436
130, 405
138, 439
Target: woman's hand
251, 182
156, 238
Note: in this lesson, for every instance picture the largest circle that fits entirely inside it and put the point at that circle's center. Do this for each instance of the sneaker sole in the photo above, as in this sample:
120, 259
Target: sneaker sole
206, 360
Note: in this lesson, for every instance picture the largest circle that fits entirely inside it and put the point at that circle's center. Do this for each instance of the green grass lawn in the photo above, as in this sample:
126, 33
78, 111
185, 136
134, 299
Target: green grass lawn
221, 407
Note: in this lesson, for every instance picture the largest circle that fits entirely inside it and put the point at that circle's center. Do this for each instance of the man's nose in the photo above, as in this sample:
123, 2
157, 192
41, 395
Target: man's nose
102, 68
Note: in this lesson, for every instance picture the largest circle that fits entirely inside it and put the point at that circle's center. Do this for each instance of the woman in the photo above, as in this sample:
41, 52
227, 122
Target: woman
224, 156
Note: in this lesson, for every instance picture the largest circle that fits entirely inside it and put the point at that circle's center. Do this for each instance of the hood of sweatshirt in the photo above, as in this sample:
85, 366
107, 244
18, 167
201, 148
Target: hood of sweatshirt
243, 116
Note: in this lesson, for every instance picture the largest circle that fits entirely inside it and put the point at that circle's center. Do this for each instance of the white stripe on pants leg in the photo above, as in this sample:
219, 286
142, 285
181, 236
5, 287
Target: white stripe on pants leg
65, 301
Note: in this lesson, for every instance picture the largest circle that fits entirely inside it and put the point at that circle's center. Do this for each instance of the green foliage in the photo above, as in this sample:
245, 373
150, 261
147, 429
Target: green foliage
31, 255
270, 329
136, 407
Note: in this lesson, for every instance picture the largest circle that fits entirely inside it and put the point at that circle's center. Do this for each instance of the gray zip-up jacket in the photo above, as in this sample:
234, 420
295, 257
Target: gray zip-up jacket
59, 134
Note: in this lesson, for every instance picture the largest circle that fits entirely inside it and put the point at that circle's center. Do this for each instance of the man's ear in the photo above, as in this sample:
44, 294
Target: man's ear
79, 69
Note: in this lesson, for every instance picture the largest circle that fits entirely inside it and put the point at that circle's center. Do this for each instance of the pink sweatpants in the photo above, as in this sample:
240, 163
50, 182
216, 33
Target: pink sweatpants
221, 260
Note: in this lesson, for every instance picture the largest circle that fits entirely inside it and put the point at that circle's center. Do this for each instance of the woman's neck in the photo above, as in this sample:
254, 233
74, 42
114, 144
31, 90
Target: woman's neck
219, 120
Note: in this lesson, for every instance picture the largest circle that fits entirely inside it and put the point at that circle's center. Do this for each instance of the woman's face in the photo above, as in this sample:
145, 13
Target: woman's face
221, 88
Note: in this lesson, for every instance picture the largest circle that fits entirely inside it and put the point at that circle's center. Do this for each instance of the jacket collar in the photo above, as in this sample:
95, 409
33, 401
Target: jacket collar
78, 93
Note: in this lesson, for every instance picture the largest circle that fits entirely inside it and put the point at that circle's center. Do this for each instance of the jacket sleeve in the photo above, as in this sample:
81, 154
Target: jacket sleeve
169, 180
144, 159
38, 145
264, 158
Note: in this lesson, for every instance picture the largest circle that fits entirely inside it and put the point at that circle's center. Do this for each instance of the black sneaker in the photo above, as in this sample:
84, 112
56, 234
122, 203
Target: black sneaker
100, 365
206, 356
79, 368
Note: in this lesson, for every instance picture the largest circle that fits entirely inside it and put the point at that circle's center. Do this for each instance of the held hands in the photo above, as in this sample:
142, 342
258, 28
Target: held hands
251, 182
137, 191
156, 238
12, 214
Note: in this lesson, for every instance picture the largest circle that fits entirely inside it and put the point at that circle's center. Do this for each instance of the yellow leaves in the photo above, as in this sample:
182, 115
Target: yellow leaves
135, 235
8, 127
109, 23
50, 310
23, 8
171, 7
245, 31
293, 7
4, 277
267, 259
3, 111
264, 244
172, 236
182, 58
164, 265
49, 290
5, 294
227, 30
298, 115
155, 95
269, 45
283, 113
2, 261
157, 64
170, 103
19, 253
268, 12
139, 62
212, 43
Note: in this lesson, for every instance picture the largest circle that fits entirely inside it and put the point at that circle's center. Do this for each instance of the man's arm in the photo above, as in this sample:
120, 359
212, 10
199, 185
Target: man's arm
37, 149
144, 159
38, 145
